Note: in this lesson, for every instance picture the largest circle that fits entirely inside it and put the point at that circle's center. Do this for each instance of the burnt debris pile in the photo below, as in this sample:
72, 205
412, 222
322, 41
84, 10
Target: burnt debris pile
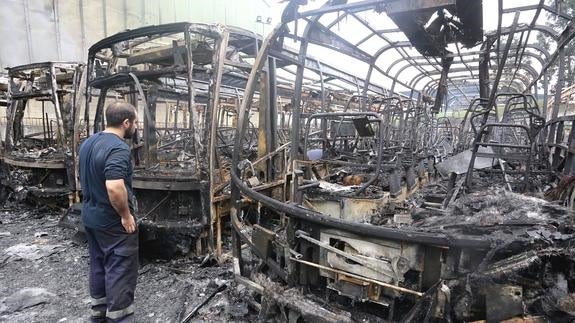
525, 269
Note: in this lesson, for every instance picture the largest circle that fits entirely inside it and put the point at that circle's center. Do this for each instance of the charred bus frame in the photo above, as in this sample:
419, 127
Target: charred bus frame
37, 158
388, 264
195, 72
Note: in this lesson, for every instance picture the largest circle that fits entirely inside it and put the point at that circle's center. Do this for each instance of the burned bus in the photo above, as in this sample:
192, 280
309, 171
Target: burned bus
186, 81
358, 224
37, 153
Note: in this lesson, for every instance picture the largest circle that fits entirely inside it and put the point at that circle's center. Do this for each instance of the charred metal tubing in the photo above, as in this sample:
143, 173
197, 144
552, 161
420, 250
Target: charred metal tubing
310, 185
485, 114
502, 125
345, 110
378, 118
384, 100
536, 122
560, 119
374, 281
478, 143
511, 109
146, 112
378, 107
533, 22
296, 254
204, 302
13, 71
446, 125
471, 108
566, 36
513, 96
57, 107
238, 227
380, 232
271, 154
534, 107
123, 77
366, 263
172, 28
136, 33
141, 92
476, 112
552, 141
557, 141
501, 63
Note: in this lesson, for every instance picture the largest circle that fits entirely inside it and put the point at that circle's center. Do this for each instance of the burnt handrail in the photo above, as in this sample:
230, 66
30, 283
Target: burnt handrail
397, 234
477, 143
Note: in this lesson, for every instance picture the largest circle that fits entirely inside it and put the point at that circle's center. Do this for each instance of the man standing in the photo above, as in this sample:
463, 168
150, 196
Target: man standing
107, 213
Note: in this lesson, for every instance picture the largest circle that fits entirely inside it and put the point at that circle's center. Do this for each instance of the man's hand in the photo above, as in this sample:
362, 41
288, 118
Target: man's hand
128, 223
118, 196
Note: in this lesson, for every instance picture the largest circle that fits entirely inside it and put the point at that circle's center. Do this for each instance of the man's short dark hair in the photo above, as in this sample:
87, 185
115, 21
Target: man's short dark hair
119, 111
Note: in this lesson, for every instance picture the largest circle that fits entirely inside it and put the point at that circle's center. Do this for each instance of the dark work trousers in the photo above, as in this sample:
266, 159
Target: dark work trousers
113, 274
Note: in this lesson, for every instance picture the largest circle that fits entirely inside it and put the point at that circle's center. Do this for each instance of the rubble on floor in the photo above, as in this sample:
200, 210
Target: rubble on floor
290, 305
25, 298
44, 277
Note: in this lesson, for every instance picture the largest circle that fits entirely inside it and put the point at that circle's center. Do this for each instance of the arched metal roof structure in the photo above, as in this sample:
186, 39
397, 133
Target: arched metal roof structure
364, 33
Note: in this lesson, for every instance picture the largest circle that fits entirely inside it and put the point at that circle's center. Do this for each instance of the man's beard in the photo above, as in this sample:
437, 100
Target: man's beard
129, 133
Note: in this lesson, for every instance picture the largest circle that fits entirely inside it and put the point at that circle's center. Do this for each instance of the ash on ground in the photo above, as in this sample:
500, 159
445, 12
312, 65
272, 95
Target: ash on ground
44, 278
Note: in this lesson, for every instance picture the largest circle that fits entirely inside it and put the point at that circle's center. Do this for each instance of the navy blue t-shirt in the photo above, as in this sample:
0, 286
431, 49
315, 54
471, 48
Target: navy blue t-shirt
103, 156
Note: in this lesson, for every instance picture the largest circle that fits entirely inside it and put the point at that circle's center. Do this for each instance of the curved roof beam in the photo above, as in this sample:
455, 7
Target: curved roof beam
412, 63
517, 85
382, 50
429, 63
347, 7
532, 46
520, 80
526, 67
525, 27
419, 77
323, 36
533, 22
399, 49
431, 86
378, 32
457, 97
537, 6
566, 36
320, 35
353, 8
507, 30
374, 32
